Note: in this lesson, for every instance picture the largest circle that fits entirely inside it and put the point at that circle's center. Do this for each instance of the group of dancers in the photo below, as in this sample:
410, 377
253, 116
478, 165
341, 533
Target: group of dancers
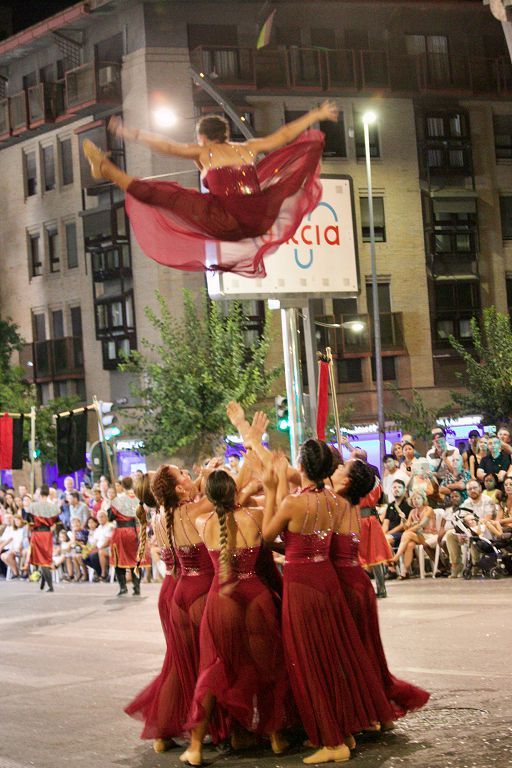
251, 653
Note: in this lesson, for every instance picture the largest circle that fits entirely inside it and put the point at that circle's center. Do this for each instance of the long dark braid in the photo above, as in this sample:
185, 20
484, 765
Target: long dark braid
221, 491
163, 487
317, 461
146, 498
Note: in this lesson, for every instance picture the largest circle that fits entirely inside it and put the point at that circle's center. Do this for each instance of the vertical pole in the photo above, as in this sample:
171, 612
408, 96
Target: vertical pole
312, 365
334, 396
33, 446
379, 379
97, 408
293, 379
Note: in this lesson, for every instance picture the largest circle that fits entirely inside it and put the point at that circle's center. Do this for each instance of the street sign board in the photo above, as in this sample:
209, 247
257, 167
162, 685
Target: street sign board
321, 258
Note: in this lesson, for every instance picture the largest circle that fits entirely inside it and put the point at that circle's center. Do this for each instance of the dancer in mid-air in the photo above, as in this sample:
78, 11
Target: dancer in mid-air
251, 207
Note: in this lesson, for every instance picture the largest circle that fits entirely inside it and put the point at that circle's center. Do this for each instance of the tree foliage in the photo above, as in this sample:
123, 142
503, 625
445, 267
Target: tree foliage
202, 362
487, 378
413, 416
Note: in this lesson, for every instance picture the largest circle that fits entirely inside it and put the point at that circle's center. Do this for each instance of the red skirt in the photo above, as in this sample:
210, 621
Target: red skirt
242, 662
41, 548
123, 548
373, 545
182, 228
360, 596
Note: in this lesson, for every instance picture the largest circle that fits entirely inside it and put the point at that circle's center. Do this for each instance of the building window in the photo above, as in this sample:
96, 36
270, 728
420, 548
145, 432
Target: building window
115, 315
60, 388
53, 249
39, 326
384, 292
71, 245
49, 168
433, 50
503, 136
335, 141
506, 217
379, 221
57, 317
76, 322
509, 295
66, 161
30, 168
34, 255
373, 133
456, 303
388, 369
350, 370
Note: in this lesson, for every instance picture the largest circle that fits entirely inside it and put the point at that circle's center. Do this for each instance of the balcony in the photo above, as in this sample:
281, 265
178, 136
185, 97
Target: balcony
53, 360
93, 83
18, 113
281, 68
446, 162
110, 264
5, 121
43, 100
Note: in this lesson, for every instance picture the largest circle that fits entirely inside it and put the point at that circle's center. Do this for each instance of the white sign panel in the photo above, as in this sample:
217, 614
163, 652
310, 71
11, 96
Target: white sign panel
321, 258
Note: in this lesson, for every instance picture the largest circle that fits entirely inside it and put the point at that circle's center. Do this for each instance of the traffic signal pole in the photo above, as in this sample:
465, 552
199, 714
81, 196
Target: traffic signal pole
293, 377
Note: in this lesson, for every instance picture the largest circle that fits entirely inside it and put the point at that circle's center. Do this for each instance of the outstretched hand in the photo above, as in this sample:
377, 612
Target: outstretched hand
258, 428
328, 111
270, 479
235, 413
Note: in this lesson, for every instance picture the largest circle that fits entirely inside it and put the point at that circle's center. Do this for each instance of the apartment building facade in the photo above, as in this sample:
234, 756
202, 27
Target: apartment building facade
439, 77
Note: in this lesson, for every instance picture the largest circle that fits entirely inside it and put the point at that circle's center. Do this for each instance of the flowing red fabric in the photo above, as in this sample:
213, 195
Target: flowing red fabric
373, 547
323, 399
357, 588
336, 689
6, 441
164, 705
248, 212
41, 541
242, 661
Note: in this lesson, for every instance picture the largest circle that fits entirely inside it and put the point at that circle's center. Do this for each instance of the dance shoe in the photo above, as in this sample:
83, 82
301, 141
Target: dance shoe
350, 742
338, 754
387, 725
95, 156
191, 758
279, 744
163, 745
122, 591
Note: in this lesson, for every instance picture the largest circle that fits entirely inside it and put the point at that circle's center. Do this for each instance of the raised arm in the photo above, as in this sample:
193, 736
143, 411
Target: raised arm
274, 520
327, 111
152, 140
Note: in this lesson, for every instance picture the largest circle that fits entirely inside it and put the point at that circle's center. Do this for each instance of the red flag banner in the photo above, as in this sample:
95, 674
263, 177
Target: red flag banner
323, 399
11, 442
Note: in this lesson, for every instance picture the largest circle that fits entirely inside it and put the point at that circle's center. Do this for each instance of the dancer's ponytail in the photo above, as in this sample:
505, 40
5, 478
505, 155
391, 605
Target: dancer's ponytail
221, 491
145, 497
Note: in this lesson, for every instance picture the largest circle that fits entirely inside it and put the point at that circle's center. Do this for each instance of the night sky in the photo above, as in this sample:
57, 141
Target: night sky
28, 12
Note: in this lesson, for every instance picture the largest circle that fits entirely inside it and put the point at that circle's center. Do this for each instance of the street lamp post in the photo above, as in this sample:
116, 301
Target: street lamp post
368, 119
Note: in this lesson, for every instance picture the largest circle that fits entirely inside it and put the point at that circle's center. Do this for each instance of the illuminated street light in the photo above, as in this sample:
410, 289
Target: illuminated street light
164, 117
369, 118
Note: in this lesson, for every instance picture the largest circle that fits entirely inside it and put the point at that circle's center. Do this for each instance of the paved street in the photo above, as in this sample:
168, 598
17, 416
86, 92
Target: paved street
71, 660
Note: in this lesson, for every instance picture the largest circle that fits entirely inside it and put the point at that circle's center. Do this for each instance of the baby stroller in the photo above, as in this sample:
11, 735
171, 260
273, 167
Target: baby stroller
490, 560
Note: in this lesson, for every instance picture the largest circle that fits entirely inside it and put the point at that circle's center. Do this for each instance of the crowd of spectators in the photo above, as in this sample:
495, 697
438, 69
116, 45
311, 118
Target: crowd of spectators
81, 535
450, 500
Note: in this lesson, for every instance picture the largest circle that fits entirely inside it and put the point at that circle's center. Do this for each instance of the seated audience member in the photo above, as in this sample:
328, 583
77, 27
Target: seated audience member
419, 528
392, 472
497, 462
78, 509
504, 511
471, 448
78, 539
62, 553
397, 452
456, 477
397, 512
482, 450
409, 458
438, 454
90, 551
11, 544
96, 501
482, 508
491, 489
421, 478
104, 533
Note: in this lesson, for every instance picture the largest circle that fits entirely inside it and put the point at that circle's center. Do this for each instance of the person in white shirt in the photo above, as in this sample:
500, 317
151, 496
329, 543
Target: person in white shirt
482, 508
11, 543
103, 534
392, 472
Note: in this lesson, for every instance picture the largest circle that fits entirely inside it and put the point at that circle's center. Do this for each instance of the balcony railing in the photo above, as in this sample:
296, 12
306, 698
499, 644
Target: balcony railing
454, 264
43, 103
5, 121
18, 112
355, 70
111, 263
93, 83
53, 359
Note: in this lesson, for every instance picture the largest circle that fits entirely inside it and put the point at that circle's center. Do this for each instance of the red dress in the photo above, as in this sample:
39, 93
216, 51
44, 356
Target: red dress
242, 661
257, 207
164, 704
335, 687
124, 543
41, 538
362, 602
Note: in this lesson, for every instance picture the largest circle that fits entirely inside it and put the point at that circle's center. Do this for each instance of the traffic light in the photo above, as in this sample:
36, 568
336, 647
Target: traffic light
282, 416
109, 420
